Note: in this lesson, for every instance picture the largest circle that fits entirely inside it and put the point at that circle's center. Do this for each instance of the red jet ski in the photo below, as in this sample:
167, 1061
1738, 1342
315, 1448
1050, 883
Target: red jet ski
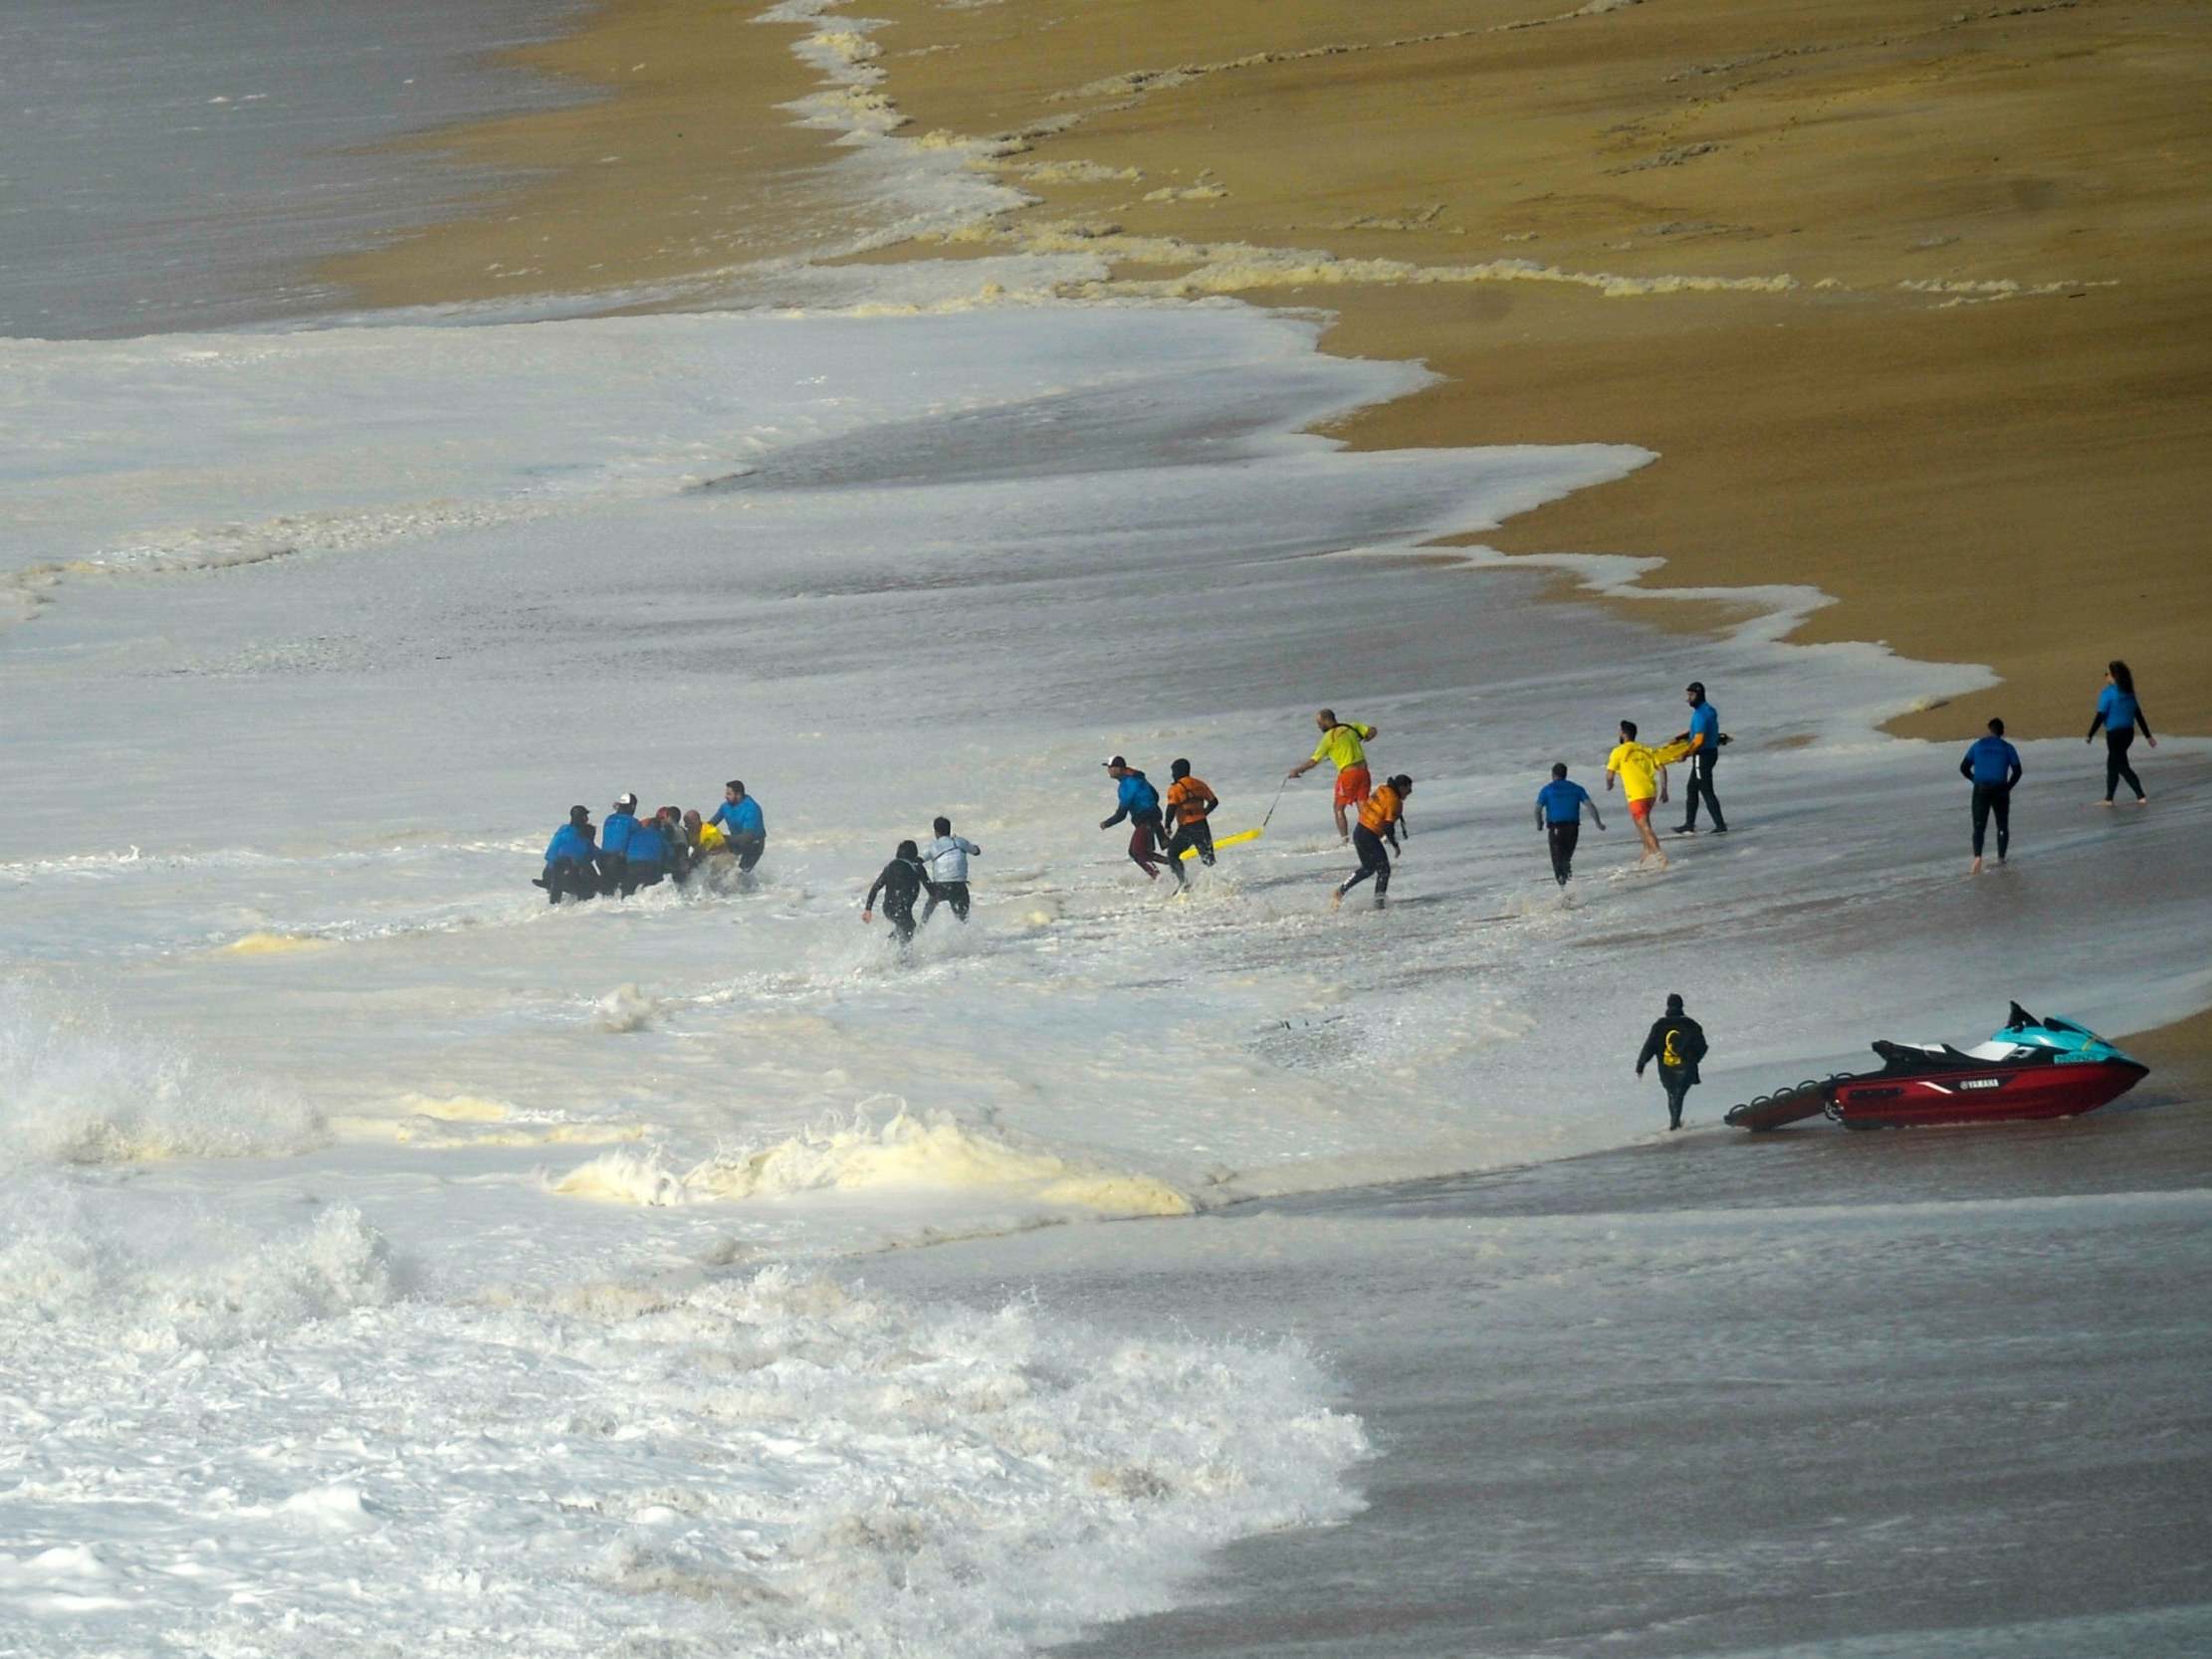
2032, 1067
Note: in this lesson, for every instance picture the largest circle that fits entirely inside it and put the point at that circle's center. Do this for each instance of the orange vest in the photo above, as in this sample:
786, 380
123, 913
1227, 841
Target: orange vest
1189, 798
1382, 809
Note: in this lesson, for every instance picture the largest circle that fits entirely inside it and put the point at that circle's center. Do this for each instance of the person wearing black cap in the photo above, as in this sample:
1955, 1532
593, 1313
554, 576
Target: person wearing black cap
900, 885
1678, 1043
1704, 738
568, 859
614, 844
1139, 802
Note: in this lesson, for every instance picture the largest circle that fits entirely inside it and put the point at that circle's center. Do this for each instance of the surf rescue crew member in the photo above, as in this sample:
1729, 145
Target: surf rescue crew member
614, 844
1704, 738
645, 859
745, 829
1559, 807
947, 858
2121, 716
1139, 802
1189, 804
1637, 768
570, 857
1382, 815
900, 885
1992, 766
1678, 1043
1342, 743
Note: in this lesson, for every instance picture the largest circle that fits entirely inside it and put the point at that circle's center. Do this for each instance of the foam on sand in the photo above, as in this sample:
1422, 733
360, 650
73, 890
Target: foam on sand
902, 1154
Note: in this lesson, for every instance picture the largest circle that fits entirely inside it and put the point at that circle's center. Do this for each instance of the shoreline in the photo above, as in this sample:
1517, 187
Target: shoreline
1926, 399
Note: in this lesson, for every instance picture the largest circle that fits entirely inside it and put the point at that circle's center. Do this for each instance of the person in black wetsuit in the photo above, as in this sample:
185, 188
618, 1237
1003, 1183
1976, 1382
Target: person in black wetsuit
2121, 716
900, 885
1678, 1043
1992, 766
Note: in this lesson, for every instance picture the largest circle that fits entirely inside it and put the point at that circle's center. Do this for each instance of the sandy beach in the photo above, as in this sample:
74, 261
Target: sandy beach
1908, 299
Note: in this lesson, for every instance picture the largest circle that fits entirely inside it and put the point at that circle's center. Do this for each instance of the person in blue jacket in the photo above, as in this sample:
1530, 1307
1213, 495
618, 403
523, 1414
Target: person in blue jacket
614, 844
645, 859
2121, 716
1559, 807
1992, 766
1139, 802
1704, 737
744, 827
569, 859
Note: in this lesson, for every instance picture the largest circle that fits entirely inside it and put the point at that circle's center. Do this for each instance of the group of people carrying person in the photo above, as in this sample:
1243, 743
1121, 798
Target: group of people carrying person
628, 852
1640, 771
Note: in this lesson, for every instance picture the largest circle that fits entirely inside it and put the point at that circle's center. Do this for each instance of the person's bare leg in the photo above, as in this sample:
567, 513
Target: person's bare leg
1652, 848
1342, 830
1975, 868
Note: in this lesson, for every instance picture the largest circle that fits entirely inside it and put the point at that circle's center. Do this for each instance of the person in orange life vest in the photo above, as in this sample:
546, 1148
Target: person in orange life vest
1382, 816
1342, 744
1189, 804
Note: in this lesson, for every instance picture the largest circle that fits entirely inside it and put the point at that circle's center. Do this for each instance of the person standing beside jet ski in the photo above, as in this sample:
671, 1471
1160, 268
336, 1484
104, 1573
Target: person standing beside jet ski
1139, 802
2121, 716
1559, 807
745, 828
1992, 766
1704, 738
947, 858
614, 844
900, 885
569, 859
1678, 1043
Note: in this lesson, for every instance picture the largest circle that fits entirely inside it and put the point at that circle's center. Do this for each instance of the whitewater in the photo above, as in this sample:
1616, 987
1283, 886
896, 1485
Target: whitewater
391, 1261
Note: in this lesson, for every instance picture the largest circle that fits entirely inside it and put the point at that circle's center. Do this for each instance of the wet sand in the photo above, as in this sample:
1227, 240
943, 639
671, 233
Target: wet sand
1961, 381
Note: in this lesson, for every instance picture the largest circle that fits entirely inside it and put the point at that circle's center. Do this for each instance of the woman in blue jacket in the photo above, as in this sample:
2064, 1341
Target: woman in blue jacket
2120, 716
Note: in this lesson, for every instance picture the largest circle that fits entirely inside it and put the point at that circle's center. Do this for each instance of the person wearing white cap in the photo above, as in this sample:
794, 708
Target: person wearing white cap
614, 845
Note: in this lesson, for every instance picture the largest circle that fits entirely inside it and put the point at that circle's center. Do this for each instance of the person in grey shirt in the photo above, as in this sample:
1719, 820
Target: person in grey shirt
947, 858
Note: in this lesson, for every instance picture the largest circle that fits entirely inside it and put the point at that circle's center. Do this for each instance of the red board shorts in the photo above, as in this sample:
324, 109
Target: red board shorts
1351, 785
1641, 810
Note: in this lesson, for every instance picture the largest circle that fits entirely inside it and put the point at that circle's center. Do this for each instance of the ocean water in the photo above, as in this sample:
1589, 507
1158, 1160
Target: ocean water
389, 1259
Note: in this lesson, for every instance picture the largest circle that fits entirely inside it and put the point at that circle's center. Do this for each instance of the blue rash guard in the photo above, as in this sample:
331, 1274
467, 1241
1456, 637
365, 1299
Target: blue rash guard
615, 833
741, 817
570, 842
1562, 800
1704, 722
647, 845
1992, 764
2116, 711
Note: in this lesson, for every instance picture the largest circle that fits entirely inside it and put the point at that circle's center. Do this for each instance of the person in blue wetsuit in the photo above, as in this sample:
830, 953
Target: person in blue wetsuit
743, 826
1992, 766
571, 858
614, 844
2121, 716
1139, 802
1559, 807
1704, 737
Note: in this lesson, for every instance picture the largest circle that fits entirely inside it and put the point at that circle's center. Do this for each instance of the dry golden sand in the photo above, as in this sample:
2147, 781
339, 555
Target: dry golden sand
1944, 351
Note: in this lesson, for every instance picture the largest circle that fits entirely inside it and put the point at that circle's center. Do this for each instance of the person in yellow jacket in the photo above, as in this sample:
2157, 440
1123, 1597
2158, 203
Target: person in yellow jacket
1642, 770
1382, 816
1343, 745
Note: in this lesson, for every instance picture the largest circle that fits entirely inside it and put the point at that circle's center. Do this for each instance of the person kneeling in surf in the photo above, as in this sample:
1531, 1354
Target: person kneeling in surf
1382, 815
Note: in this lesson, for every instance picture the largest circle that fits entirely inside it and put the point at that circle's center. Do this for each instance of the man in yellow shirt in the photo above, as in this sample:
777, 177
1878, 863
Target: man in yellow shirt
1343, 745
1643, 774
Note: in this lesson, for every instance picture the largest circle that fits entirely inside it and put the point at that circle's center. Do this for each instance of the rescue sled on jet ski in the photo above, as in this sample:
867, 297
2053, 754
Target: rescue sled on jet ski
2033, 1067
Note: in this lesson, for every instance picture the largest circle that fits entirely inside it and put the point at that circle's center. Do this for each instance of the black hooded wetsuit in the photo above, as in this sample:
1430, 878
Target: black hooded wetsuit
900, 884
1678, 1043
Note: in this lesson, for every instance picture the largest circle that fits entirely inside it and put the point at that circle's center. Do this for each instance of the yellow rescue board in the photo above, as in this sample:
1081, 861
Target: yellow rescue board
1225, 841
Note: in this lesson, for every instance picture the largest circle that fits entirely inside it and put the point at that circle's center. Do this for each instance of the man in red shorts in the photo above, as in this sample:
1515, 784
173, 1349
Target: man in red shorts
1342, 744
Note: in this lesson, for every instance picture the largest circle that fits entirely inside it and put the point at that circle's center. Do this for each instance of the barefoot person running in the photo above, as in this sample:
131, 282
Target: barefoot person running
1343, 745
1559, 807
2121, 716
1637, 768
